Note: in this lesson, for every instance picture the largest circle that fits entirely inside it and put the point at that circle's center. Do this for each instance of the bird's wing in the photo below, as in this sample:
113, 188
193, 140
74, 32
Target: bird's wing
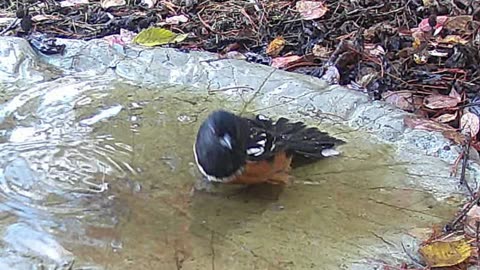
262, 141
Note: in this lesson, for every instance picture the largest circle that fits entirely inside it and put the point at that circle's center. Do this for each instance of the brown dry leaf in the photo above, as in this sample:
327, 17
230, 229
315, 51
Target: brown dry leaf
311, 10
421, 233
112, 3
470, 123
454, 135
403, 100
280, 62
453, 93
437, 101
447, 117
426, 124
458, 22
472, 217
320, 51
446, 253
276, 46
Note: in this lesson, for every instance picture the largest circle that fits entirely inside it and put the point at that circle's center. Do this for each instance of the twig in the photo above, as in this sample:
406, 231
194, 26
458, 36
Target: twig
449, 227
245, 105
466, 150
10, 26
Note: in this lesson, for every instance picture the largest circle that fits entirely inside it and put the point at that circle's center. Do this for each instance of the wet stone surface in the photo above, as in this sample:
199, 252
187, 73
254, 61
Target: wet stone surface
96, 169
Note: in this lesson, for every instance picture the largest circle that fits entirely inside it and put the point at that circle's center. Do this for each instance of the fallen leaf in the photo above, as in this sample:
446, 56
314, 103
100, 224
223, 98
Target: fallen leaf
311, 10
453, 93
332, 76
276, 46
320, 51
416, 42
375, 50
446, 253
437, 101
112, 3
71, 3
176, 19
46, 17
471, 219
455, 136
458, 23
125, 37
452, 39
403, 100
155, 36
233, 55
419, 37
469, 123
421, 233
426, 124
427, 3
447, 117
280, 62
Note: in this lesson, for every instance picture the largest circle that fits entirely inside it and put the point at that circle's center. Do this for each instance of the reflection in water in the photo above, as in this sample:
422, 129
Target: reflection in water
102, 172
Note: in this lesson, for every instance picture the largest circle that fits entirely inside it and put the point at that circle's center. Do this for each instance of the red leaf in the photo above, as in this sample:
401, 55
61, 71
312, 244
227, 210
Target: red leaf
437, 101
281, 62
447, 117
403, 100
426, 124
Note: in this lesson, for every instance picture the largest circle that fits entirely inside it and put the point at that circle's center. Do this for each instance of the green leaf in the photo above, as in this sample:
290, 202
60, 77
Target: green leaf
155, 36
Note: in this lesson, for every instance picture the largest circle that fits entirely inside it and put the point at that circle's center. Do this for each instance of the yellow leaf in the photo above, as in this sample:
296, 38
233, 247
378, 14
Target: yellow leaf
155, 36
453, 39
442, 254
427, 3
276, 46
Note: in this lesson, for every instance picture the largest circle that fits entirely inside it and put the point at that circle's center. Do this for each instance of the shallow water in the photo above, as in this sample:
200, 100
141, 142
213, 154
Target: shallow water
101, 172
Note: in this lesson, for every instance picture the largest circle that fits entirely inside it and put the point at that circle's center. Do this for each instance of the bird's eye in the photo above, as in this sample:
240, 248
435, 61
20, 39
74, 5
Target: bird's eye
226, 141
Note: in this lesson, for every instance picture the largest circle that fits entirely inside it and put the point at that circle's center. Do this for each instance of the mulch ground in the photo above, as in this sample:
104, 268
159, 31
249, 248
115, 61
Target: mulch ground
419, 55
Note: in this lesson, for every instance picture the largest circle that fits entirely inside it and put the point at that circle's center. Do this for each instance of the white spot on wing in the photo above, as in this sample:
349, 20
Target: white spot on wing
330, 152
255, 151
262, 142
262, 117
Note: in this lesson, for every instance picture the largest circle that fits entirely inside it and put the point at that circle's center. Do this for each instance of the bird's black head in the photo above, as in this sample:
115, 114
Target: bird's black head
220, 147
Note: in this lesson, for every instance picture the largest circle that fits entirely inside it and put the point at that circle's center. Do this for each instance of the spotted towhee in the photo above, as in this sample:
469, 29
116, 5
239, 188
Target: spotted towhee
238, 150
